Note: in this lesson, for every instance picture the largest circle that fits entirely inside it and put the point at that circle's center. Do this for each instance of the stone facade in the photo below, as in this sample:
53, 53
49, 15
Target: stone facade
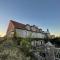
23, 30
40, 49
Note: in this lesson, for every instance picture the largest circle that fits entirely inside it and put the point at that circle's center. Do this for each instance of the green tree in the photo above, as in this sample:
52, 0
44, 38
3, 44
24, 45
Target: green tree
25, 44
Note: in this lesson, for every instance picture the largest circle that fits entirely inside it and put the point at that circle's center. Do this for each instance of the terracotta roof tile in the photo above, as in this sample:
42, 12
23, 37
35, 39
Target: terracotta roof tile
18, 25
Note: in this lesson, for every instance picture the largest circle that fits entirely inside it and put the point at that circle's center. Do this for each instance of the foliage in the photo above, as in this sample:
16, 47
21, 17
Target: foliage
46, 40
56, 41
25, 44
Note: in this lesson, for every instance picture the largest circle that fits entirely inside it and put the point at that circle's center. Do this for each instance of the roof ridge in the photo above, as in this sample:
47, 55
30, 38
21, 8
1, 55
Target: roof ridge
16, 22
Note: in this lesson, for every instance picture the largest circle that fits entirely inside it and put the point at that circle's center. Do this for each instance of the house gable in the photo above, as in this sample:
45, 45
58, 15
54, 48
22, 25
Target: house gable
10, 27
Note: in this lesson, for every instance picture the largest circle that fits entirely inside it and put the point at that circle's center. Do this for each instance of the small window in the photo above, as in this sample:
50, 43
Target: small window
41, 42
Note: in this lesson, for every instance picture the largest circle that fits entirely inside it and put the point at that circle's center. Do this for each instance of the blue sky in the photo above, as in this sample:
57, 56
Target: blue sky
43, 13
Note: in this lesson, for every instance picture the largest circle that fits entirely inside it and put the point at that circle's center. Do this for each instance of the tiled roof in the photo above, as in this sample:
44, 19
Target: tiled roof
18, 25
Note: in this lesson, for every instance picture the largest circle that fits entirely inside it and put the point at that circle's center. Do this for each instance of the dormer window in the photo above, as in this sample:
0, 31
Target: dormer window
40, 30
37, 29
27, 26
33, 28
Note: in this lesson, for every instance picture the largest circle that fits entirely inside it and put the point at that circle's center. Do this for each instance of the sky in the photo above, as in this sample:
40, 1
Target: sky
43, 13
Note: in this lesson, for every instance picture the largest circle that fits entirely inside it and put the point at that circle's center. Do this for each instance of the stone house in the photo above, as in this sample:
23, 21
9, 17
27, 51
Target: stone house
47, 51
27, 31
